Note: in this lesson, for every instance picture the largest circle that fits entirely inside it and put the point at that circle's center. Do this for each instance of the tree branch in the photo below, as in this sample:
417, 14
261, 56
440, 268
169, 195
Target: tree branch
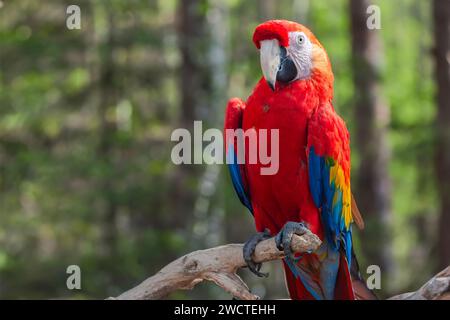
438, 288
218, 264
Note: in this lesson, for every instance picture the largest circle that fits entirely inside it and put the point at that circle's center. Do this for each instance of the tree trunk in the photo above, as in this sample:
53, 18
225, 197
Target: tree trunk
194, 85
268, 9
108, 99
105, 97
373, 185
193, 45
441, 13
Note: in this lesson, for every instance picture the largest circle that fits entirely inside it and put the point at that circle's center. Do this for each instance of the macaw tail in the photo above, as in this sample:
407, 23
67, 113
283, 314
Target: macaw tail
298, 289
344, 288
362, 292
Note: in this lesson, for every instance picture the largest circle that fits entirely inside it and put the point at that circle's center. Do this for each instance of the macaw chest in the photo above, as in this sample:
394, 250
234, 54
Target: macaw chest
283, 122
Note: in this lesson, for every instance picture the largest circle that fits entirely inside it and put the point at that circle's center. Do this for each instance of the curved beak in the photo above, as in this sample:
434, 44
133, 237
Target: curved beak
270, 60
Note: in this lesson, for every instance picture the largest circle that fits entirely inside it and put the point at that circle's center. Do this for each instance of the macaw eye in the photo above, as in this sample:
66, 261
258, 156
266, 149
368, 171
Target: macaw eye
301, 39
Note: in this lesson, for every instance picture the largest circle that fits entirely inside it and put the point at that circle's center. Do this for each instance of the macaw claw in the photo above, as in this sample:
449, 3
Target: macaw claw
249, 249
284, 237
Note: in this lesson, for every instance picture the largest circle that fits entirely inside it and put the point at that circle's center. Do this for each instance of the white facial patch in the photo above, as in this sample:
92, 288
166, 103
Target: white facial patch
300, 51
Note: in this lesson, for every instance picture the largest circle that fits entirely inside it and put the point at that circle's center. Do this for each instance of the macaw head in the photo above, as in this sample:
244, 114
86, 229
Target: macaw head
289, 52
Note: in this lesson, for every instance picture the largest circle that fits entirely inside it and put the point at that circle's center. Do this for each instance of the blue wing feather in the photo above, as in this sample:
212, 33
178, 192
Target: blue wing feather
236, 178
324, 192
315, 168
329, 197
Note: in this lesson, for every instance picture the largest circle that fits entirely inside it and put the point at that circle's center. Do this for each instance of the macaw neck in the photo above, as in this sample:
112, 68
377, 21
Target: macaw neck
319, 85
323, 84
306, 95
317, 88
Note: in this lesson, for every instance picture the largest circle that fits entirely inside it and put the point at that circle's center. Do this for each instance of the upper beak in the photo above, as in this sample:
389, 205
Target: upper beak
270, 60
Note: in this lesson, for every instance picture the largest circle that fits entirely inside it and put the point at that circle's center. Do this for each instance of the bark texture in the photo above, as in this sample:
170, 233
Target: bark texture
217, 264
441, 14
373, 185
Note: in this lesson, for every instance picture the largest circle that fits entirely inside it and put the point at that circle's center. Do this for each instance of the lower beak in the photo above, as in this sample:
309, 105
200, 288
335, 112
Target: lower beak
270, 60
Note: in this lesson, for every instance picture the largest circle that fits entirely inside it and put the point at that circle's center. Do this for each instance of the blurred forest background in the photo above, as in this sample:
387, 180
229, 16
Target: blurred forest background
86, 117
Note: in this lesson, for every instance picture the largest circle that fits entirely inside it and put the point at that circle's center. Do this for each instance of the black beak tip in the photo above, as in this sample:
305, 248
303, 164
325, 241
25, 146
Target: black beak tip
271, 86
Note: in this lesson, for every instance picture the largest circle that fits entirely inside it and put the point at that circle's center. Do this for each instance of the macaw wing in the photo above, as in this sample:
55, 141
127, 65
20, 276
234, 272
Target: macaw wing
233, 121
329, 176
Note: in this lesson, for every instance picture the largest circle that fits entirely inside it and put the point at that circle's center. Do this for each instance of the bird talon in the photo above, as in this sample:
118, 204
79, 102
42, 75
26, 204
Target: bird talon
284, 237
249, 249
279, 240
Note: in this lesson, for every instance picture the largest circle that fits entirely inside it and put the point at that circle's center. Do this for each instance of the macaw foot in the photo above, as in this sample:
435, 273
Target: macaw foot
284, 237
249, 249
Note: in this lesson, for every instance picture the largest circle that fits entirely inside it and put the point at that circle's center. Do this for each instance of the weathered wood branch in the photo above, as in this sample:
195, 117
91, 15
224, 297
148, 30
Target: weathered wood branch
218, 264
437, 288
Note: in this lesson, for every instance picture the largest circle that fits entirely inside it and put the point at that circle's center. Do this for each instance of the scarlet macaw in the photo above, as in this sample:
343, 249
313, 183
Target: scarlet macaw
312, 186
